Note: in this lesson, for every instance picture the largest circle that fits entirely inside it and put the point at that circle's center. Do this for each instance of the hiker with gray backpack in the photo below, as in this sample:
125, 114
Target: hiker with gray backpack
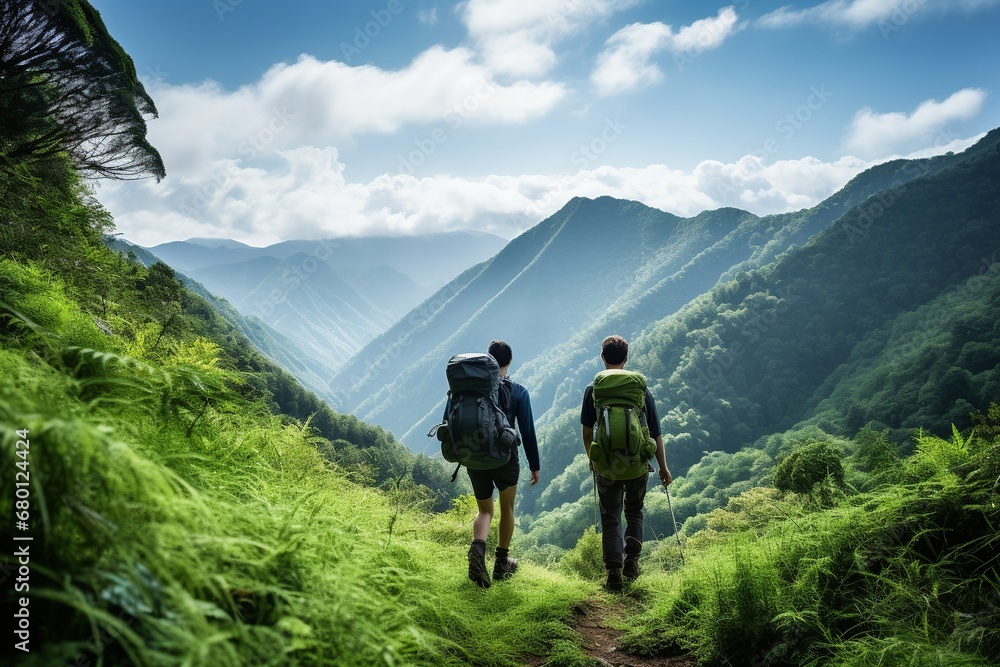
621, 433
477, 431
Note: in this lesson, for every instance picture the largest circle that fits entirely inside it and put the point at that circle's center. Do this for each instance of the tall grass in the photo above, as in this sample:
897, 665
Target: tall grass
176, 521
904, 575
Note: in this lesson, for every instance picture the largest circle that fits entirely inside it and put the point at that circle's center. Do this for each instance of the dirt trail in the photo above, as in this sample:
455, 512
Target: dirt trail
593, 622
600, 640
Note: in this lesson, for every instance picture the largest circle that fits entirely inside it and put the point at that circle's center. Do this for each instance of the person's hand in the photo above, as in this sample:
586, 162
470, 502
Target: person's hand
534, 477
665, 477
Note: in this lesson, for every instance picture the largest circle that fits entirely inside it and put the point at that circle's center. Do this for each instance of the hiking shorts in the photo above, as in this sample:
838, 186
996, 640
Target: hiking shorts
483, 481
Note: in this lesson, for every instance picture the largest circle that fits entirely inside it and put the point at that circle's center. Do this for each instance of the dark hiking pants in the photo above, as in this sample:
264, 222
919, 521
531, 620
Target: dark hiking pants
614, 494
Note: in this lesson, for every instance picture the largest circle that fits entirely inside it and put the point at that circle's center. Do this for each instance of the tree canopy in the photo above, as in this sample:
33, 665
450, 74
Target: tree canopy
67, 86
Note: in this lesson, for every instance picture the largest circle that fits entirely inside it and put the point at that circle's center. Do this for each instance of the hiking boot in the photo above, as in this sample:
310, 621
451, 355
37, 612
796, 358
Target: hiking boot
614, 582
477, 566
631, 570
504, 568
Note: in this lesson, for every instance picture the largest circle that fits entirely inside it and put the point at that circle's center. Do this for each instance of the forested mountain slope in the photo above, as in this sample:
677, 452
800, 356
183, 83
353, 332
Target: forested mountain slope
546, 284
595, 267
312, 371
329, 296
874, 319
748, 357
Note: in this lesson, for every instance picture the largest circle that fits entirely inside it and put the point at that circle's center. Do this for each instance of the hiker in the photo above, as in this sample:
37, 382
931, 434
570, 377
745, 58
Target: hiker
621, 485
516, 405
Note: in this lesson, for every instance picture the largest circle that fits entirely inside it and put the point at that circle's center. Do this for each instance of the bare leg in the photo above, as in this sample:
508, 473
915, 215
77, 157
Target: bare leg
481, 524
506, 516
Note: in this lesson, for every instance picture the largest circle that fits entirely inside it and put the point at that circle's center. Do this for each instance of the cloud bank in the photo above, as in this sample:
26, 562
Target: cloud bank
860, 14
873, 134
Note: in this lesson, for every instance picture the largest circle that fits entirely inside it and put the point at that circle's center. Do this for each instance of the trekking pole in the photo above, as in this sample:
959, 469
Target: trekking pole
594, 475
674, 519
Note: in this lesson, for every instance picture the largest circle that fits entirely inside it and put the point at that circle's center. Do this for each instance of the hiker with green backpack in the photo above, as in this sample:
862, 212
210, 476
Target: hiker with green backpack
621, 433
477, 431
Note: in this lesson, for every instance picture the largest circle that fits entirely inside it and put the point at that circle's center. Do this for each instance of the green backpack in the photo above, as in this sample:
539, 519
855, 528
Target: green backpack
622, 447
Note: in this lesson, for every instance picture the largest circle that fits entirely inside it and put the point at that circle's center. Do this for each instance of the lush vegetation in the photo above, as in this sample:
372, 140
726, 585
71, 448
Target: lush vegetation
904, 573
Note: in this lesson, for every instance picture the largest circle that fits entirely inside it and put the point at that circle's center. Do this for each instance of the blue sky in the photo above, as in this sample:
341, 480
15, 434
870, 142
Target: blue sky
313, 119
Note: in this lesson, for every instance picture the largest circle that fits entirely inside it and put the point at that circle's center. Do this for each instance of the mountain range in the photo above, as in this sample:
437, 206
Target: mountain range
323, 299
745, 326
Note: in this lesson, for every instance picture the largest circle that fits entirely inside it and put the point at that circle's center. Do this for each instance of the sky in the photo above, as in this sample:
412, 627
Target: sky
314, 119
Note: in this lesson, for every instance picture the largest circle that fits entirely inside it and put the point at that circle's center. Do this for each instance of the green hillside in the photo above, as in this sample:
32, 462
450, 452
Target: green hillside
309, 370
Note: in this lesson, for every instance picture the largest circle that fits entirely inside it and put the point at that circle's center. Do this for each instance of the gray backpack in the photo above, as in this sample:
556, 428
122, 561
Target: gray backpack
475, 432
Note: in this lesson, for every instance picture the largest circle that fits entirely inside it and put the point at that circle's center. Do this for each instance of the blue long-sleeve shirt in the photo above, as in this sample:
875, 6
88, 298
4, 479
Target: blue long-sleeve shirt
517, 411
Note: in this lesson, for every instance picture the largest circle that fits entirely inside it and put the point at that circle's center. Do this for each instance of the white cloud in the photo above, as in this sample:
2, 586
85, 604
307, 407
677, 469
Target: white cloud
307, 196
859, 14
707, 33
312, 102
516, 38
625, 63
874, 134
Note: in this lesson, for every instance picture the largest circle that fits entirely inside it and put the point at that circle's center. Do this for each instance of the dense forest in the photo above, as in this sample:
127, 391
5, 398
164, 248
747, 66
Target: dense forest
188, 502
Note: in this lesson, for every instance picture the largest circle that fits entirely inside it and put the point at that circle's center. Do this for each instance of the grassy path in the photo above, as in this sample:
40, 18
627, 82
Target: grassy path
598, 621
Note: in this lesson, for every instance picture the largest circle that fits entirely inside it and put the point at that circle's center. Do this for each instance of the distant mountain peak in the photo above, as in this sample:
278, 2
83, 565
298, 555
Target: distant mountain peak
208, 242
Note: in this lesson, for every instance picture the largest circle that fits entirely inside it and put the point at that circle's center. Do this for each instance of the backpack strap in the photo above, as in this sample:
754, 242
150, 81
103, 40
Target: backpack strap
628, 430
490, 431
505, 393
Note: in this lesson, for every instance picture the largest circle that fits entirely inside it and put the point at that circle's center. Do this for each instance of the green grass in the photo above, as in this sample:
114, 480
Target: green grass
904, 575
168, 533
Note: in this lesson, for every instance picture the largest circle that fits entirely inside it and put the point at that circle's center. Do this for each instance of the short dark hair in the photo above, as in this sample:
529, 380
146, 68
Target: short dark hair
501, 351
614, 350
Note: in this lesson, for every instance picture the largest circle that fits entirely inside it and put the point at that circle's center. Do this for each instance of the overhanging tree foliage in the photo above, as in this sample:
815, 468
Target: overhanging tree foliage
66, 86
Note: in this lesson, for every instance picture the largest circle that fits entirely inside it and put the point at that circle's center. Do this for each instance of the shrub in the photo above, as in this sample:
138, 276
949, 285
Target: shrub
808, 465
